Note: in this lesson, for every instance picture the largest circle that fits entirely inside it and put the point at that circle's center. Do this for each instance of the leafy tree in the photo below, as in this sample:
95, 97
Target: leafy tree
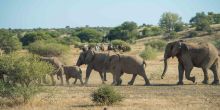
90, 35
170, 21
152, 31
201, 21
126, 31
8, 41
214, 17
23, 71
34, 36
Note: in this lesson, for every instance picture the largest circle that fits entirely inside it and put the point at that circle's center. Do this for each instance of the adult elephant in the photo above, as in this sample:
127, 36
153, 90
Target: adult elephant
119, 64
189, 55
94, 61
58, 68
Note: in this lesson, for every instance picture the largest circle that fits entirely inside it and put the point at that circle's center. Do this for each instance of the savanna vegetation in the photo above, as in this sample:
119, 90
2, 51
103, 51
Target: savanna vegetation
23, 70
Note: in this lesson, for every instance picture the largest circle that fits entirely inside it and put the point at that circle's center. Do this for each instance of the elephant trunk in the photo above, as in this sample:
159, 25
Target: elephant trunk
165, 68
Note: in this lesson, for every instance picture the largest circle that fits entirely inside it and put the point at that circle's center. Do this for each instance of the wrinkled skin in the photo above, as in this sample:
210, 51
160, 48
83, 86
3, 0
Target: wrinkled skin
189, 55
73, 72
119, 64
94, 61
58, 68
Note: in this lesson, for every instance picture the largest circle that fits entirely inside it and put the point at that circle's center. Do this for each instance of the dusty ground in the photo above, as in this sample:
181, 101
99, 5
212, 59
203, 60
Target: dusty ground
163, 94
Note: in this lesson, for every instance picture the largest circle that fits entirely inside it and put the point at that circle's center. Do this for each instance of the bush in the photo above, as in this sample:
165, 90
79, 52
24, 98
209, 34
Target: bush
125, 46
106, 95
44, 48
70, 40
23, 73
149, 53
193, 34
8, 41
172, 35
34, 36
157, 44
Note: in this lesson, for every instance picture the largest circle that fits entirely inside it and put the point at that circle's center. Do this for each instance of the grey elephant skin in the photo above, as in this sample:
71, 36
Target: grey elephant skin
94, 61
73, 72
58, 68
119, 64
189, 55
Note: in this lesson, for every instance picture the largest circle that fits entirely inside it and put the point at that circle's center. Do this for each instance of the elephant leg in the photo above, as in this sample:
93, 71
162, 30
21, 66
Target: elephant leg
81, 80
181, 72
105, 79
214, 69
88, 72
114, 79
67, 79
75, 81
117, 76
147, 82
102, 78
132, 79
205, 81
187, 74
52, 79
61, 78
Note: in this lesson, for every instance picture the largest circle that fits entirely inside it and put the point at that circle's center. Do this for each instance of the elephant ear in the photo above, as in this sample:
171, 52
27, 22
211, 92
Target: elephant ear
184, 47
114, 58
89, 56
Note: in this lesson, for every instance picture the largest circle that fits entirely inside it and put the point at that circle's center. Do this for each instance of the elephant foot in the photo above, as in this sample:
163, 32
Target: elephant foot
113, 83
215, 82
147, 84
119, 82
180, 83
205, 81
130, 83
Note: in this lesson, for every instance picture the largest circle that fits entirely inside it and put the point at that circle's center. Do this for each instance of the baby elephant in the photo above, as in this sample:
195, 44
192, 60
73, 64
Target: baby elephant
73, 72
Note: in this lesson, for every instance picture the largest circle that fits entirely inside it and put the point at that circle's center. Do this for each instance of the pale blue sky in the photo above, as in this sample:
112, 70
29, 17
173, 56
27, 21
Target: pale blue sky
60, 13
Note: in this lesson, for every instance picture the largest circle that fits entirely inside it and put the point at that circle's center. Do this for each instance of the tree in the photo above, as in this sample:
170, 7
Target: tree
126, 31
34, 36
90, 35
170, 21
201, 21
9, 42
214, 17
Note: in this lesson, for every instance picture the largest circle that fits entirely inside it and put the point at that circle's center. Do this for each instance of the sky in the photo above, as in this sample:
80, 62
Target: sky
76, 13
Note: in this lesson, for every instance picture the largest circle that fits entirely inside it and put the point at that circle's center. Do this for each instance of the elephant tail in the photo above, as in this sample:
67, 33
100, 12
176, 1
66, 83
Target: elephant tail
144, 64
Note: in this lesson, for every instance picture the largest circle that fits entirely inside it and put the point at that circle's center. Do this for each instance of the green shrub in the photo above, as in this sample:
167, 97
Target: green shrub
157, 44
125, 46
47, 48
23, 73
70, 40
149, 53
193, 34
106, 95
173, 35
9, 43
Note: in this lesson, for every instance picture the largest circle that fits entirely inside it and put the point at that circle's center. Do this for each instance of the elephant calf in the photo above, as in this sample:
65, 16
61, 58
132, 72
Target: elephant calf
73, 72
119, 64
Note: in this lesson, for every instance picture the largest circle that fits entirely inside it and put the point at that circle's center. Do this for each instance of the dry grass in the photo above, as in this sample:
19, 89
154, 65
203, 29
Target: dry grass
163, 94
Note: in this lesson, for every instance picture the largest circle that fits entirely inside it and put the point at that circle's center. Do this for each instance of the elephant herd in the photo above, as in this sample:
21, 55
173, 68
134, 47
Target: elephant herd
189, 55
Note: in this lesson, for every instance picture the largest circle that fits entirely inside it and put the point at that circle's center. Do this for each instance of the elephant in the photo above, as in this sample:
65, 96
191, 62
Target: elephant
73, 72
58, 68
119, 64
189, 55
94, 61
